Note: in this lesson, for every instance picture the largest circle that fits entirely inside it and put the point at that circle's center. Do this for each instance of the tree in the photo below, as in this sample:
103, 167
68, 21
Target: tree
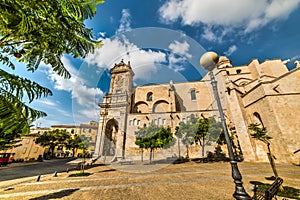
186, 132
73, 143
202, 132
83, 145
32, 32
260, 133
209, 130
154, 137
13, 124
16, 116
53, 138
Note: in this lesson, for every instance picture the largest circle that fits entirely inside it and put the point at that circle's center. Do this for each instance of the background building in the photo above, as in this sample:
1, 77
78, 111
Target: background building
27, 149
89, 131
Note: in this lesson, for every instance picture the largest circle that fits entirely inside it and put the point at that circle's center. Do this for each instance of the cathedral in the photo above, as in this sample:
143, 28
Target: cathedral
266, 93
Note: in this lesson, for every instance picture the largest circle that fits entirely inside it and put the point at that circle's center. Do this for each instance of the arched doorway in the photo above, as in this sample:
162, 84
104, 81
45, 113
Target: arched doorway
110, 138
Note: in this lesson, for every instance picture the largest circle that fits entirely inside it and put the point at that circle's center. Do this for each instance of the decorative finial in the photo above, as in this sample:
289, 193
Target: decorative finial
209, 60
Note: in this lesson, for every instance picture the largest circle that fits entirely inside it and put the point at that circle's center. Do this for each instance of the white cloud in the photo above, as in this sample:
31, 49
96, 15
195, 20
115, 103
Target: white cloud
179, 54
230, 51
215, 34
113, 50
180, 48
209, 34
102, 34
125, 22
249, 14
41, 102
82, 94
85, 115
294, 58
46, 122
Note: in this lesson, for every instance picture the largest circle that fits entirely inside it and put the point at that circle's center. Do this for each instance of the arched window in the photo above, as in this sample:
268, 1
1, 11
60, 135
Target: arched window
238, 71
258, 118
193, 94
149, 96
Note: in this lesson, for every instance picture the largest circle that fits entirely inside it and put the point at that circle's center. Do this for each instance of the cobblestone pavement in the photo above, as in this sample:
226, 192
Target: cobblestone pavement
176, 181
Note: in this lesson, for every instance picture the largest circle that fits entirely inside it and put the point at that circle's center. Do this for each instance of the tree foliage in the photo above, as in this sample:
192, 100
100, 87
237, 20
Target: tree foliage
259, 133
201, 131
154, 137
74, 143
32, 32
53, 138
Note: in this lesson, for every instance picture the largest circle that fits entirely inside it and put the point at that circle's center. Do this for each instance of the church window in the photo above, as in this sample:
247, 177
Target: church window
134, 122
149, 96
138, 122
159, 121
193, 94
164, 121
130, 122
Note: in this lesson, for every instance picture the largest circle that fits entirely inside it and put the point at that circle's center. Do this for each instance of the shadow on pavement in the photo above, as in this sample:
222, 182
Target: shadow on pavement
107, 170
56, 195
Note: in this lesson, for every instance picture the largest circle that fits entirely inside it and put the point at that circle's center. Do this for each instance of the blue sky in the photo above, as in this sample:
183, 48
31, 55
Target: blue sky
164, 40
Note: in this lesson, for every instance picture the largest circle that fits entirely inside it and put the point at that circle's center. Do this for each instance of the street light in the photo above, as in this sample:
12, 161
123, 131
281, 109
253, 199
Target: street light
209, 60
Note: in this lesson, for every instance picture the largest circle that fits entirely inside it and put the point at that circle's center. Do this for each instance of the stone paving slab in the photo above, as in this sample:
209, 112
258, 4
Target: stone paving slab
181, 181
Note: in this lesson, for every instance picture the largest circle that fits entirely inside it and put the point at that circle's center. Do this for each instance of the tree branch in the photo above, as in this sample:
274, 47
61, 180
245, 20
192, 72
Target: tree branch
11, 44
2, 39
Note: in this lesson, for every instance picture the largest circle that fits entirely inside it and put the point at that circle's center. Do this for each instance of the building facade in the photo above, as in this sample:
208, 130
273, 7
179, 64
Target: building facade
265, 93
27, 149
89, 131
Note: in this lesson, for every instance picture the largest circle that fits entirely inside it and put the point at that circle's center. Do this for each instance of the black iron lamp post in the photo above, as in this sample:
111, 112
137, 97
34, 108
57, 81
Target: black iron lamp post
208, 61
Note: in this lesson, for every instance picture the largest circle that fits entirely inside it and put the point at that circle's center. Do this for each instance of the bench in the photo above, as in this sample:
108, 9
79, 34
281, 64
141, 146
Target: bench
128, 161
269, 193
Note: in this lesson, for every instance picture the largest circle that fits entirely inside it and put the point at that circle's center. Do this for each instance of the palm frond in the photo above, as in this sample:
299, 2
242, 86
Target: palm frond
18, 86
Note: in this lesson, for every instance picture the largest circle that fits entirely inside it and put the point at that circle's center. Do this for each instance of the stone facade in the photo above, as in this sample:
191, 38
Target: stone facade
88, 130
27, 149
265, 93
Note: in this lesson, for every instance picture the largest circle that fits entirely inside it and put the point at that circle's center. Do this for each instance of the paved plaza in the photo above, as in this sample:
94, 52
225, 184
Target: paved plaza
188, 180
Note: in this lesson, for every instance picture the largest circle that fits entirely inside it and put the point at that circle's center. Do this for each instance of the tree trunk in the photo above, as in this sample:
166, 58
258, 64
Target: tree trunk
82, 164
178, 147
52, 152
271, 160
203, 138
153, 154
187, 152
150, 156
142, 156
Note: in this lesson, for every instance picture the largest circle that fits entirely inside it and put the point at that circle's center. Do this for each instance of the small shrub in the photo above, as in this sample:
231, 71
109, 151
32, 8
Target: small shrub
80, 174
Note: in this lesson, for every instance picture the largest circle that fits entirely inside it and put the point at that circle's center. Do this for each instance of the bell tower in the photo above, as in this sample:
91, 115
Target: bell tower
111, 137
121, 78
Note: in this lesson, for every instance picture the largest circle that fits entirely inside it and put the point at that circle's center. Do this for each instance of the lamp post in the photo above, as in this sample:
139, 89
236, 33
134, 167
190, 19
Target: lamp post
209, 60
